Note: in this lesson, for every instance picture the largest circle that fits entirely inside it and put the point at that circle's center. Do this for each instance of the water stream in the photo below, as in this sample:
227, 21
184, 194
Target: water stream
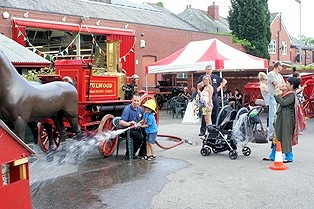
76, 153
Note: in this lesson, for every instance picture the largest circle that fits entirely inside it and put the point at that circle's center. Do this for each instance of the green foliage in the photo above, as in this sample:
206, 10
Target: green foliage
245, 43
160, 4
97, 71
32, 74
302, 67
308, 40
250, 21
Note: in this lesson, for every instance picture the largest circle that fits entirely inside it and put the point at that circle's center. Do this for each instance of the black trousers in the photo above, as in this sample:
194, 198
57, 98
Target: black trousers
139, 141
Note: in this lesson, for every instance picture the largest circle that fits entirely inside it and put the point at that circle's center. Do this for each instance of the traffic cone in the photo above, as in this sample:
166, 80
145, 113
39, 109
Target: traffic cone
278, 164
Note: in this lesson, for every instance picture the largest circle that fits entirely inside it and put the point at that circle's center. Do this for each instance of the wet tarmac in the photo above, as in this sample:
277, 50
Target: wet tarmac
105, 183
98, 182
179, 178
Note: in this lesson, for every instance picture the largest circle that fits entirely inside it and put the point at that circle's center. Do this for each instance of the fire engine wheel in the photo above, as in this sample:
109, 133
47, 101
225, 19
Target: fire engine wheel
308, 94
43, 137
107, 147
146, 97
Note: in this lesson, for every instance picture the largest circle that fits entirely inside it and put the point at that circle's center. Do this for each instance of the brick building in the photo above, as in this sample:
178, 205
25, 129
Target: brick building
158, 32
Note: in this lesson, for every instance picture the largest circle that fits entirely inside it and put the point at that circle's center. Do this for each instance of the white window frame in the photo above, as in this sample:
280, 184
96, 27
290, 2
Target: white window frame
272, 47
284, 48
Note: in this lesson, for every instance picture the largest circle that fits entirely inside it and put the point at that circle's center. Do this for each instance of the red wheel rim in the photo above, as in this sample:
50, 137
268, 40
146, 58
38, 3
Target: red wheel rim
107, 147
43, 137
308, 94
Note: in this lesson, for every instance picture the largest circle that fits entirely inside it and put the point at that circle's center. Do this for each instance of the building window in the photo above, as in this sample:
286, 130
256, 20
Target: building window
308, 54
182, 75
272, 47
284, 48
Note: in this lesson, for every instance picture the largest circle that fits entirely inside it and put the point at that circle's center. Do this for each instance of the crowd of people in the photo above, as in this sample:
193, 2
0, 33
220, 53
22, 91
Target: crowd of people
284, 121
280, 98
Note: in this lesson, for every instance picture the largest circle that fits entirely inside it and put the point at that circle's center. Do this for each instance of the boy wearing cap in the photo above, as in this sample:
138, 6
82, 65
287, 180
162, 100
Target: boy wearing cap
150, 125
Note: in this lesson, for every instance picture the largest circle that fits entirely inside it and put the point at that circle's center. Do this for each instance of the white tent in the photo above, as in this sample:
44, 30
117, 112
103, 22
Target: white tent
197, 54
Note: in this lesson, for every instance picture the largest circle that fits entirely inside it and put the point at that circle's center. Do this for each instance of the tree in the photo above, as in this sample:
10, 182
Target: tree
308, 41
250, 20
160, 4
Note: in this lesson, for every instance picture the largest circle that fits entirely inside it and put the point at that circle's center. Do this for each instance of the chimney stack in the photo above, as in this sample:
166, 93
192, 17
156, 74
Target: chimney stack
213, 11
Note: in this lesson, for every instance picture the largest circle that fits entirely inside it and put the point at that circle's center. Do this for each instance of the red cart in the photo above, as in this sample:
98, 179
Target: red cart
252, 92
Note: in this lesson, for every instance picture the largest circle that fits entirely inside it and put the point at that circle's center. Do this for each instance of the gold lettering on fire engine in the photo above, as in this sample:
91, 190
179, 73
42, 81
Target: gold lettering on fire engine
101, 85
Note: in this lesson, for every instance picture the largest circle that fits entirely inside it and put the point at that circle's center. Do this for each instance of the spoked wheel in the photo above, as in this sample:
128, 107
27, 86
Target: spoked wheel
107, 146
43, 136
246, 151
146, 97
308, 94
233, 154
205, 151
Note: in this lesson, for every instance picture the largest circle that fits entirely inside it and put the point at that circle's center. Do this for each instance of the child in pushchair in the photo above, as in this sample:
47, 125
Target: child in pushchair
231, 129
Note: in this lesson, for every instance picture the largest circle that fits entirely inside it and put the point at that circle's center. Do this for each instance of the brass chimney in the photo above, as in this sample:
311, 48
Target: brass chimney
112, 55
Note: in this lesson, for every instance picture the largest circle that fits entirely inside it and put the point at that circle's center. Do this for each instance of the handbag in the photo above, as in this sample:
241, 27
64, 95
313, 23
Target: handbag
260, 136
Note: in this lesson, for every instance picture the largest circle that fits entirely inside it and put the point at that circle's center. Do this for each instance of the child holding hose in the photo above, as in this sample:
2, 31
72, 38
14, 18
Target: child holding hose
150, 125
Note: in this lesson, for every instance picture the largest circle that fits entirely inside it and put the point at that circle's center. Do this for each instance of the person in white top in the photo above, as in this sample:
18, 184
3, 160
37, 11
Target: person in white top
274, 81
264, 91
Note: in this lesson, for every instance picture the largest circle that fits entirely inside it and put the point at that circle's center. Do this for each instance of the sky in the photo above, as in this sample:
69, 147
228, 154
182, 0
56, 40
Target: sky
290, 10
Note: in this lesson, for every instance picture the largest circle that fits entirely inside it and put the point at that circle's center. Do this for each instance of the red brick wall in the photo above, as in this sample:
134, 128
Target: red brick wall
160, 42
279, 33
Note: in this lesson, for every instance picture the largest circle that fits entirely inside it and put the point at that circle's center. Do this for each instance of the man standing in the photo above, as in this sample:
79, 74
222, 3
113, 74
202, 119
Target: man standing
218, 83
274, 80
131, 115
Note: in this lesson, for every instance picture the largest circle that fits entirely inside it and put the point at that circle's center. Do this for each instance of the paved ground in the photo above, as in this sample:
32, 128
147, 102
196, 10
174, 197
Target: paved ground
178, 178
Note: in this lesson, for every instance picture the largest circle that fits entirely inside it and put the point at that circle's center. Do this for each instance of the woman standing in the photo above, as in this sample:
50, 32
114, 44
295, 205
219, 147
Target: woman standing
206, 100
286, 126
264, 91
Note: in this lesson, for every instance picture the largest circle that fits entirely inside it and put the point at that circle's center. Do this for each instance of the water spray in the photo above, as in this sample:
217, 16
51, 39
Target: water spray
108, 134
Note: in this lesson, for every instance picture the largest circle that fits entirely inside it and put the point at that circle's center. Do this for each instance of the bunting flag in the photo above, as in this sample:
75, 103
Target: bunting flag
66, 50
130, 51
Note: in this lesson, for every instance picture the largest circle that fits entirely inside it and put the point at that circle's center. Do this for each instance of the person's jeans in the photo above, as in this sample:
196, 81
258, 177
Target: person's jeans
272, 107
203, 126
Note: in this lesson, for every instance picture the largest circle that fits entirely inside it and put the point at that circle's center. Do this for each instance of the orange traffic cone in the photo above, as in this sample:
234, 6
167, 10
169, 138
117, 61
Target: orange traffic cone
278, 164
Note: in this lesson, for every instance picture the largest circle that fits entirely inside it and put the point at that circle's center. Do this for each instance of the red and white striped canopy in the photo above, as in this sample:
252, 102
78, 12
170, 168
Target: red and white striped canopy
197, 54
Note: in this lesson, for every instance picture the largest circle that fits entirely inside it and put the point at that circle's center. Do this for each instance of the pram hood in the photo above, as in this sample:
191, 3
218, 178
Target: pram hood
226, 115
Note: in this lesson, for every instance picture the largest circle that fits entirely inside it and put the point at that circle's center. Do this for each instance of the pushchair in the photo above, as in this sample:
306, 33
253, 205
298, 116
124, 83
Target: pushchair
245, 127
223, 135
